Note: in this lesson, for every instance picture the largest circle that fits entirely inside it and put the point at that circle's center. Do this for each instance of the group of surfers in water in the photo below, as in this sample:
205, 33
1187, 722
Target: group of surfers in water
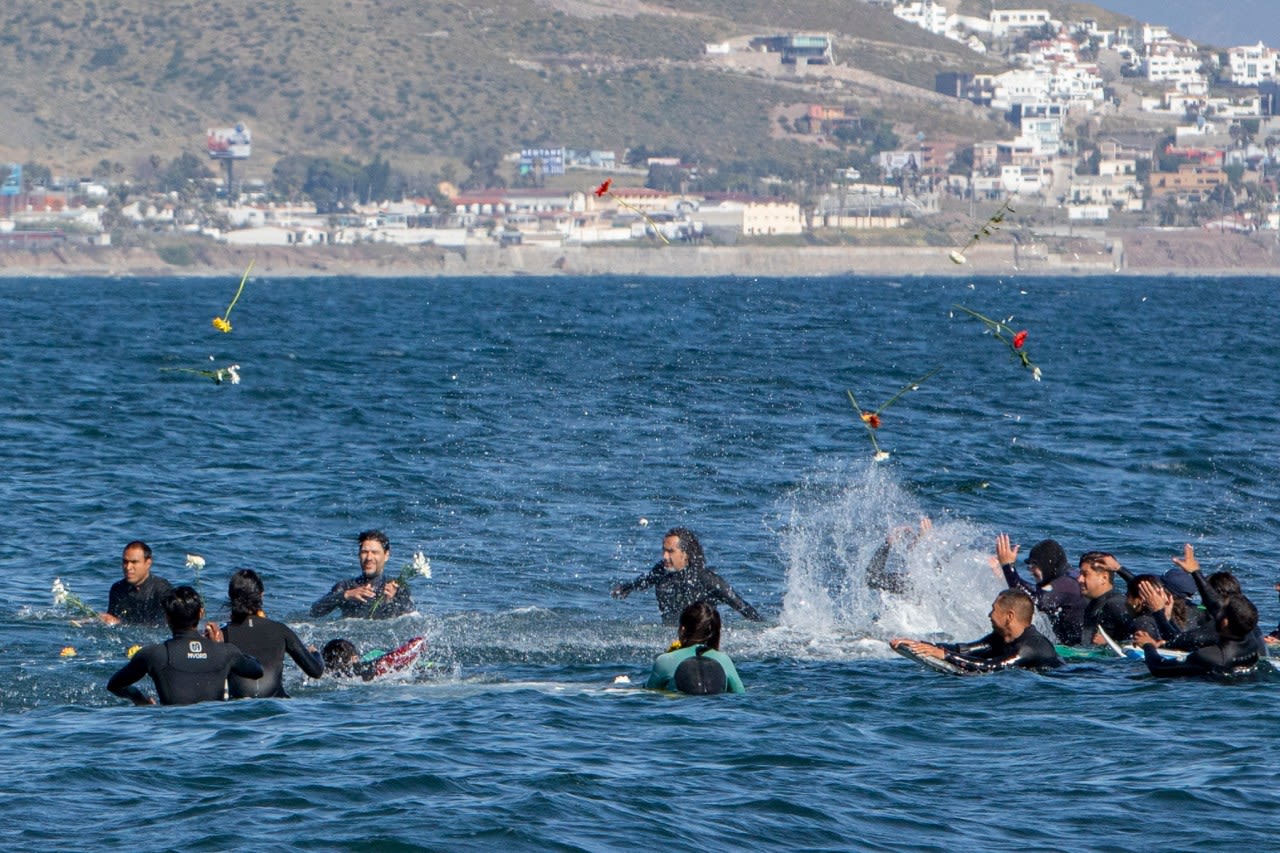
1217, 636
244, 658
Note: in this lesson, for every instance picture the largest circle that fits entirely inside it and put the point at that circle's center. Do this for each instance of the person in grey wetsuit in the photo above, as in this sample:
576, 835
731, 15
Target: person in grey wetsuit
682, 578
188, 668
1013, 642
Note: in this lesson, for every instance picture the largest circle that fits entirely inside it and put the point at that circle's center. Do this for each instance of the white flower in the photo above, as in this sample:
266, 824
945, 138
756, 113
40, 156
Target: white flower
1035, 374
195, 561
957, 257
419, 566
644, 522
59, 592
234, 372
881, 455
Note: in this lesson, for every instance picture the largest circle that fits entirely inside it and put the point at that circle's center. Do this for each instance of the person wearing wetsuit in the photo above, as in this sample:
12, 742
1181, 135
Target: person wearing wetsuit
1106, 608
1055, 593
682, 578
696, 666
1013, 642
263, 638
1235, 654
138, 597
188, 668
370, 596
1215, 591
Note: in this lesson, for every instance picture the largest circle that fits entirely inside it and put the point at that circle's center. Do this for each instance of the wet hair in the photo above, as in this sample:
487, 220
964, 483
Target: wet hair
1132, 591
1241, 617
690, 545
340, 655
700, 625
1094, 560
377, 536
244, 591
182, 608
138, 543
1224, 583
1018, 603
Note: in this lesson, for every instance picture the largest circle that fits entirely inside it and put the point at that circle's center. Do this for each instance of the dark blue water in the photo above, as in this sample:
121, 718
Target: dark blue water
534, 438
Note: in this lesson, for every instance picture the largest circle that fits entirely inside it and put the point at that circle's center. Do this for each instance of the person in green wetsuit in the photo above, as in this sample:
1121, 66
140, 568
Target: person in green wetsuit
695, 665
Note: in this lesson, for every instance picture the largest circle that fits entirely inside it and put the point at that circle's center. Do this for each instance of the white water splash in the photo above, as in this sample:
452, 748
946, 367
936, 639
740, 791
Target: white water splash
832, 531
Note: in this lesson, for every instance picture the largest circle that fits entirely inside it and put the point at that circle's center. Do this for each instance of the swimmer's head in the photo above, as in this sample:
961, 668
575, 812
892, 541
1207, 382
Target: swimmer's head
340, 655
183, 608
1048, 561
700, 625
245, 593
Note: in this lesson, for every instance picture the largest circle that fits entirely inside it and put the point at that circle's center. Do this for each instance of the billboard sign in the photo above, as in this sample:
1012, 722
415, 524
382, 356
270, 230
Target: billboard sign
549, 160
229, 143
13, 183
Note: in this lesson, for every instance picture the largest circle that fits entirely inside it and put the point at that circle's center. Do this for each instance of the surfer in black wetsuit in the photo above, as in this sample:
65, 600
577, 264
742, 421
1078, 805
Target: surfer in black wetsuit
253, 633
896, 581
1013, 641
1055, 593
370, 596
682, 578
188, 668
138, 597
1215, 591
1235, 654
1106, 608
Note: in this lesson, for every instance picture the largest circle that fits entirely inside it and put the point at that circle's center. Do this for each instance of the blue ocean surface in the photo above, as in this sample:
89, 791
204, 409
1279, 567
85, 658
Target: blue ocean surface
534, 438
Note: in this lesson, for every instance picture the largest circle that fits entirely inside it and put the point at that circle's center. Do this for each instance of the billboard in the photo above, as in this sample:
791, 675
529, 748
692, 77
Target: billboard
13, 183
229, 143
549, 160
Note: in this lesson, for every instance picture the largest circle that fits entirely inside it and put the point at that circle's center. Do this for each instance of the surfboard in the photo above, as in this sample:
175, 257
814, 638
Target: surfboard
933, 663
399, 658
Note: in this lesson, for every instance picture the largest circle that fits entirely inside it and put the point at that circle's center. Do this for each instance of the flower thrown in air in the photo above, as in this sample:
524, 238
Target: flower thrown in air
871, 419
988, 228
230, 373
195, 561
604, 190
1016, 340
223, 323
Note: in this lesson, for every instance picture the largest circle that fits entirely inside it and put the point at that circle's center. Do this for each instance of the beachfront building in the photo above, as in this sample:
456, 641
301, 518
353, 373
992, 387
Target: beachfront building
1007, 22
1252, 66
749, 216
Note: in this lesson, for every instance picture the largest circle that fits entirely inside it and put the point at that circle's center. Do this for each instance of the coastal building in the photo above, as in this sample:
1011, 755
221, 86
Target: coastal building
1252, 66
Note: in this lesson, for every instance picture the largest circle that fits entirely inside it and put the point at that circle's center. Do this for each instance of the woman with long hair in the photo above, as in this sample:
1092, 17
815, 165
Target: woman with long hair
695, 664
265, 639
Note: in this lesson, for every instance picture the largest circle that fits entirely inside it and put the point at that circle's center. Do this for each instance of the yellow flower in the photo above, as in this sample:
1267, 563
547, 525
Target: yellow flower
133, 650
221, 325
67, 652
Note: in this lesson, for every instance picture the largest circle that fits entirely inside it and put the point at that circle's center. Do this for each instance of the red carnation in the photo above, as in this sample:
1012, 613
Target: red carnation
603, 188
1020, 339
871, 419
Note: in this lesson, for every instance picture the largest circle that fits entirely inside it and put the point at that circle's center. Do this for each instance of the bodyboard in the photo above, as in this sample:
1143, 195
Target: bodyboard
933, 663
399, 658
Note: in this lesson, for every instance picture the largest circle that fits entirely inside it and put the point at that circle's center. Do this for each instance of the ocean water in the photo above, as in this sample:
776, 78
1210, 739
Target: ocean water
535, 437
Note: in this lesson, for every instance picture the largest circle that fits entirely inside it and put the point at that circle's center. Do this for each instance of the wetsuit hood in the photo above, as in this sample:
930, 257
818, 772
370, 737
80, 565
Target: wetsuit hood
1049, 557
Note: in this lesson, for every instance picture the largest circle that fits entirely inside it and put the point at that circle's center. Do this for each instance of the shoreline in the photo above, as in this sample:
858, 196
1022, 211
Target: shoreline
1128, 254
